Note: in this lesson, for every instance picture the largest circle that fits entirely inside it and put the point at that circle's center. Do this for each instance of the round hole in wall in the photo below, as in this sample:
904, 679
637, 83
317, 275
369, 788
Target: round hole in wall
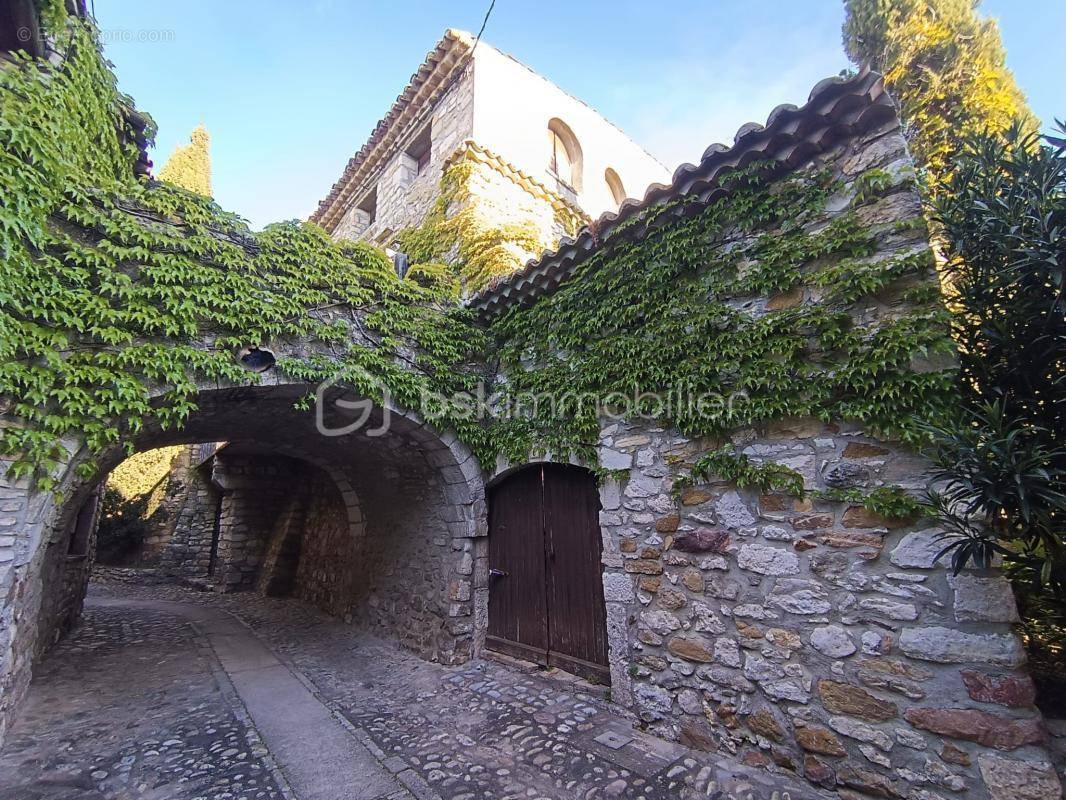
256, 359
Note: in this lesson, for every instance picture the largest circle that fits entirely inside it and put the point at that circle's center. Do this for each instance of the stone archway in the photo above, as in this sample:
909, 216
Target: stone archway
410, 496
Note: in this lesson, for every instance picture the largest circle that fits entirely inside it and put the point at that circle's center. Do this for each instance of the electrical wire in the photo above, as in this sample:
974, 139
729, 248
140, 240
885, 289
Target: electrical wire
484, 22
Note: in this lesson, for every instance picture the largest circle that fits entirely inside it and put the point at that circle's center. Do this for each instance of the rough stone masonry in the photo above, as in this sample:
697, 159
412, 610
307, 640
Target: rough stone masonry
806, 637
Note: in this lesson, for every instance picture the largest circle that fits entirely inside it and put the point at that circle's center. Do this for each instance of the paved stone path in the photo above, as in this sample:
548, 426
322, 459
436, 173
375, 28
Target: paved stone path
320, 759
167, 693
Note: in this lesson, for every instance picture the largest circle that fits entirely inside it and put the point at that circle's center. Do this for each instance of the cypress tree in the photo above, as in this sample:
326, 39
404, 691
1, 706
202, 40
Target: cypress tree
189, 166
945, 65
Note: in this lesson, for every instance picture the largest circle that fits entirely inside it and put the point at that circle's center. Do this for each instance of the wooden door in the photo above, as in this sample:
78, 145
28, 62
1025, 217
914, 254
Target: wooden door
518, 613
546, 591
577, 619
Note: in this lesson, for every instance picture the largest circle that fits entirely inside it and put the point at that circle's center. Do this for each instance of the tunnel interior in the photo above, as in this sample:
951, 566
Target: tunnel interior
374, 526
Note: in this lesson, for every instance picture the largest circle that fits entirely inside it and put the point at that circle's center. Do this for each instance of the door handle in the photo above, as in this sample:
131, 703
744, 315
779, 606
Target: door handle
498, 573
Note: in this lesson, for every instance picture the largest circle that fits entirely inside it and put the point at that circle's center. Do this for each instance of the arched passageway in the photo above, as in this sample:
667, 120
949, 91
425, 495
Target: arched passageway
378, 526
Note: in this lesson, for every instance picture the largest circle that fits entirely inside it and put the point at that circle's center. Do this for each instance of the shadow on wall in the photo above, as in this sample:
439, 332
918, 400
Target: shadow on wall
378, 531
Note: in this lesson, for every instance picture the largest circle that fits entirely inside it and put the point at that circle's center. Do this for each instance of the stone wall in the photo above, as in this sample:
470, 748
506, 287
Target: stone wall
170, 496
330, 555
405, 196
192, 505
501, 196
415, 584
807, 635
282, 529
256, 490
65, 575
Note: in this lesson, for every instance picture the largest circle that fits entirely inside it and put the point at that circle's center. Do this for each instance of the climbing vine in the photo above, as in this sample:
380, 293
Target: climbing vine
121, 298
736, 468
726, 464
460, 237
667, 313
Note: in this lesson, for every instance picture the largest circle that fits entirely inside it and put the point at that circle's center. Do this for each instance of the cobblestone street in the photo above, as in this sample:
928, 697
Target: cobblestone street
140, 703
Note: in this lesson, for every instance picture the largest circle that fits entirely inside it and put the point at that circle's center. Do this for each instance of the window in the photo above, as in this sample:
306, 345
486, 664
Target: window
369, 206
614, 183
421, 149
564, 155
559, 162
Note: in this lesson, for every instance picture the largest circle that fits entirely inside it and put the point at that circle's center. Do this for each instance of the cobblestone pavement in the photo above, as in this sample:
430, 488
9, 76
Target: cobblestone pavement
485, 730
132, 705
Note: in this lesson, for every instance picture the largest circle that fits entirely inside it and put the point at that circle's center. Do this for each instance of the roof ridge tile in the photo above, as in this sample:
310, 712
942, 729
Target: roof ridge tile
817, 124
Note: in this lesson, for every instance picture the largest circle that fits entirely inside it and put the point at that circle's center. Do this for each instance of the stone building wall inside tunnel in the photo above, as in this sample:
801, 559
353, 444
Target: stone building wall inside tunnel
409, 586
185, 549
330, 551
257, 492
377, 531
65, 571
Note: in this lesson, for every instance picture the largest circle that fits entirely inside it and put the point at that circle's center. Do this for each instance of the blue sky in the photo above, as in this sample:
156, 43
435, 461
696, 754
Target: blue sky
289, 91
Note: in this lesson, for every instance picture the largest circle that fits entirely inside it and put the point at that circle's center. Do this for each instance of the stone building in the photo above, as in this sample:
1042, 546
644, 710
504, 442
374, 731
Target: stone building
539, 155
808, 636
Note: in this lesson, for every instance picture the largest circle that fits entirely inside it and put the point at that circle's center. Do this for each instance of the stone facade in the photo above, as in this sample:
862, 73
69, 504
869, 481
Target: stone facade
404, 195
415, 578
191, 507
490, 101
810, 636
328, 552
164, 503
67, 564
256, 505
801, 635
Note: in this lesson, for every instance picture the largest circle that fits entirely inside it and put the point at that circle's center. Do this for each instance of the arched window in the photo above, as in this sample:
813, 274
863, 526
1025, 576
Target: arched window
564, 154
614, 183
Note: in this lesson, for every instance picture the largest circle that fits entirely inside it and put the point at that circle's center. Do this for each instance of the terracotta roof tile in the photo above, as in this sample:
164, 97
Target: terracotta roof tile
429, 81
837, 108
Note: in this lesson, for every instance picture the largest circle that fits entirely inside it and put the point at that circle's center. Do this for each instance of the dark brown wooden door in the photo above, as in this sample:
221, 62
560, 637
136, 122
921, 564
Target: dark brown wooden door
518, 613
546, 590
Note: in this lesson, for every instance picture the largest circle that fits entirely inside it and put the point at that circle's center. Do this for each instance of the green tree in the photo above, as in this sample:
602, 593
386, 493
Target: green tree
189, 166
1002, 468
945, 65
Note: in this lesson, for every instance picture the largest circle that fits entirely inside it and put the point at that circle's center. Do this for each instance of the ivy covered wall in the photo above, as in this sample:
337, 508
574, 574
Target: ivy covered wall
168, 286
487, 220
801, 298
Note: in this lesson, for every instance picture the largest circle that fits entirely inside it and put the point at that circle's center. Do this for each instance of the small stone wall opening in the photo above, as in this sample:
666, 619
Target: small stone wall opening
256, 359
81, 532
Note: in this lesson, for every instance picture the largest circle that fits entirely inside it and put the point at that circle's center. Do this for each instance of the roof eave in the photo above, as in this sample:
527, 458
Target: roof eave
432, 77
836, 108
